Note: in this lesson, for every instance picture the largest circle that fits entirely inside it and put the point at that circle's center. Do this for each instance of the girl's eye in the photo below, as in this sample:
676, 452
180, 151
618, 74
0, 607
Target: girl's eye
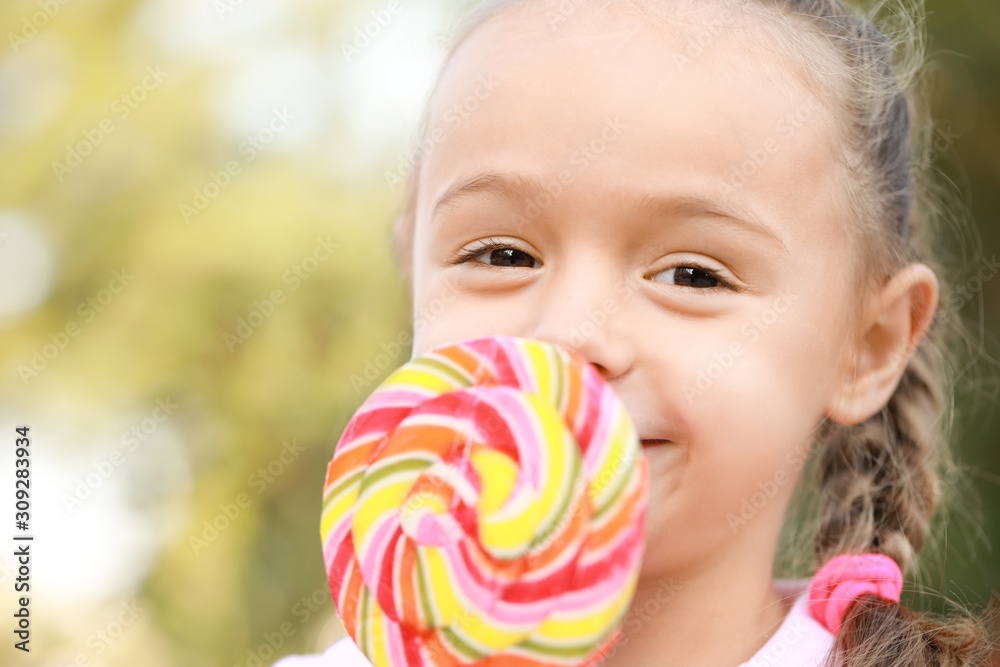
688, 274
502, 254
696, 276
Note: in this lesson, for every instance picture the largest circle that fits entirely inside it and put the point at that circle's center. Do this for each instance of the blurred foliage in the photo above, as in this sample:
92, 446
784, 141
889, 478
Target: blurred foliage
260, 581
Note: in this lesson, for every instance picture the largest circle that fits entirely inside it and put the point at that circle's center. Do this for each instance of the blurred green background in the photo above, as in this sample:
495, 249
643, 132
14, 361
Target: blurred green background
197, 291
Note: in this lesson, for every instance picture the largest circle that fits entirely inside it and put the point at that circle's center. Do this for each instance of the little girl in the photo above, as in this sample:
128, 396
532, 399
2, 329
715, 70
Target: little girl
715, 202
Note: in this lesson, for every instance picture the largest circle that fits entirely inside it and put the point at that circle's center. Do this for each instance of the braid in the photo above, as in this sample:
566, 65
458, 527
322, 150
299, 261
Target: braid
877, 479
879, 490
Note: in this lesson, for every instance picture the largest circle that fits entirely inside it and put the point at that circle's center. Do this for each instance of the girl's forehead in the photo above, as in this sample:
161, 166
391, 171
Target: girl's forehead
693, 98
685, 29
617, 50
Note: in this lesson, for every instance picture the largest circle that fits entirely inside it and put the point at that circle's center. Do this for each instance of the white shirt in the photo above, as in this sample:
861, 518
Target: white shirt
800, 641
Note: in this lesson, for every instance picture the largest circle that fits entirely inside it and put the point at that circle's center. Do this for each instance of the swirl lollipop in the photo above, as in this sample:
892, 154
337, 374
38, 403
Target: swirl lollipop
486, 506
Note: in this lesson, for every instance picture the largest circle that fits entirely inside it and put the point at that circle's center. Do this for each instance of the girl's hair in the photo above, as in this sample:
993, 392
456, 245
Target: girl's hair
879, 481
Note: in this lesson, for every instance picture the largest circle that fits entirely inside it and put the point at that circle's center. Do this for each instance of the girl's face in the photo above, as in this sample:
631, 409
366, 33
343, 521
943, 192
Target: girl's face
663, 201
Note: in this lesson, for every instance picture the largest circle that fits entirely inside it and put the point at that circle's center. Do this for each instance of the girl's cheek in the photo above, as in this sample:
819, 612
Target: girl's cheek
449, 317
710, 368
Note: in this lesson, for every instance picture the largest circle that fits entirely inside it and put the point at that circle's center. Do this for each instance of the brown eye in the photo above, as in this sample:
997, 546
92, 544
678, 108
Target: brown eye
693, 275
509, 257
498, 255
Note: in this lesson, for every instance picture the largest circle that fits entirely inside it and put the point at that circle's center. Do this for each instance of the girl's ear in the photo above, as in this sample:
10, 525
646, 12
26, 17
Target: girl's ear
892, 327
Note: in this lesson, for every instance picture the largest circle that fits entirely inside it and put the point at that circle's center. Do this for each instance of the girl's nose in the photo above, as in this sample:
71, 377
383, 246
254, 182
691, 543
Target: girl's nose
592, 325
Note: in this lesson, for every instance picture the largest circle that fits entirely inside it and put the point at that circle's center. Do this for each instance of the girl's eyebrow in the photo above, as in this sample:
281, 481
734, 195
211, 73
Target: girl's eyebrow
510, 186
517, 187
688, 206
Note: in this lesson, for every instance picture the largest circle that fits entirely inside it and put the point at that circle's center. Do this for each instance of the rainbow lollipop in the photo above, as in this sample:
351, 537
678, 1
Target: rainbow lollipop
486, 506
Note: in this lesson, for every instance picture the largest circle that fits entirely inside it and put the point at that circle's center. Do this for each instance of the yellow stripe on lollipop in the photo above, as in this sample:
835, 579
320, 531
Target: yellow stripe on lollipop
504, 530
442, 589
541, 364
485, 636
384, 500
420, 379
498, 473
614, 470
373, 630
337, 508
568, 629
557, 466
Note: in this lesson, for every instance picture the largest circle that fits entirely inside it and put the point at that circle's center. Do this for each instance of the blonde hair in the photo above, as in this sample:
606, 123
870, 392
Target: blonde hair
879, 482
